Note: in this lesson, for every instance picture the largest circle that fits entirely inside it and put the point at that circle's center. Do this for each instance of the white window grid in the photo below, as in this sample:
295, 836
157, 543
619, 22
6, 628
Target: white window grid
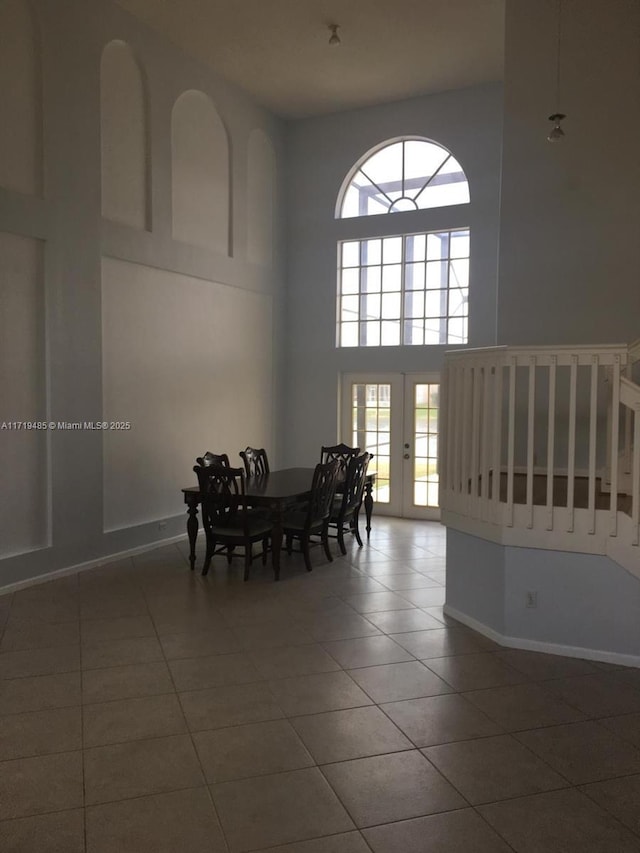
410, 289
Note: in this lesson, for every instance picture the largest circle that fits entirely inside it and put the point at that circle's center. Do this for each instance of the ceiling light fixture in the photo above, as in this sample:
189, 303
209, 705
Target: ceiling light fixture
557, 132
335, 38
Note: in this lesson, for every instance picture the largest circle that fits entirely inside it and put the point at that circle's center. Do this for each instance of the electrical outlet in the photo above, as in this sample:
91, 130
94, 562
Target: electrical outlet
531, 598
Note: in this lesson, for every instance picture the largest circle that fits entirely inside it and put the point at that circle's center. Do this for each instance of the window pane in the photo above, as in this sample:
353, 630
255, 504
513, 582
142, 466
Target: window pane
351, 254
370, 306
437, 246
436, 274
422, 395
459, 273
420, 469
370, 279
432, 334
371, 252
420, 494
435, 303
447, 186
391, 278
392, 250
385, 165
351, 203
414, 276
376, 204
421, 160
391, 306
414, 332
390, 333
350, 281
422, 422
460, 244
458, 303
372, 334
350, 308
349, 335
457, 333
414, 304
416, 247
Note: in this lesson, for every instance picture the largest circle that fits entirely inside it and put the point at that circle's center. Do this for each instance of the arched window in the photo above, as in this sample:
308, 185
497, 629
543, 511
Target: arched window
407, 288
410, 174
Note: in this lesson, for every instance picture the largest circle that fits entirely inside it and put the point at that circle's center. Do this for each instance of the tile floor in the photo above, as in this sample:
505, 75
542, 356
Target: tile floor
145, 709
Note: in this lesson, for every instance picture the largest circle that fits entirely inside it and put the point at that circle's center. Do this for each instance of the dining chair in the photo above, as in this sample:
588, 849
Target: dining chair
342, 452
346, 504
312, 519
227, 520
209, 458
255, 461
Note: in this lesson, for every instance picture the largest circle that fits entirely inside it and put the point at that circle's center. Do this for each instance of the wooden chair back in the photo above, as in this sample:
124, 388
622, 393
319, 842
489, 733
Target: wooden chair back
255, 461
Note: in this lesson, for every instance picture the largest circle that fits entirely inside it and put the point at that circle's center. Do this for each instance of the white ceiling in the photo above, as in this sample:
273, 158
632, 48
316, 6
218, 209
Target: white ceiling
278, 50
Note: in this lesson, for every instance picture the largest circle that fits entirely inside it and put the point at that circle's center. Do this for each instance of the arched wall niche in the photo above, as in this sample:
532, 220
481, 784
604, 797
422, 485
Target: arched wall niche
261, 184
200, 173
20, 99
124, 137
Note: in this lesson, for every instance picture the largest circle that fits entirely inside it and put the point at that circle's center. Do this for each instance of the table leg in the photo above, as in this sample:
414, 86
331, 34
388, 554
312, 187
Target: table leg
368, 506
192, 527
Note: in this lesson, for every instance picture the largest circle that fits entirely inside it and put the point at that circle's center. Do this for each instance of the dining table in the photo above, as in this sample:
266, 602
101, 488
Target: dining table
277, 491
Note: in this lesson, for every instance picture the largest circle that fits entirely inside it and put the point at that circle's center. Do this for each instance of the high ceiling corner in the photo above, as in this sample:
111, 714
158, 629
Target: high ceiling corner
278, 51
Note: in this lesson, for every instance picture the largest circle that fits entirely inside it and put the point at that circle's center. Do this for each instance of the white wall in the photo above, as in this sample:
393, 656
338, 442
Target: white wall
320, 153
209, 392
20, 98
23, 457
117, 318
124, 135
570, 211
586, 604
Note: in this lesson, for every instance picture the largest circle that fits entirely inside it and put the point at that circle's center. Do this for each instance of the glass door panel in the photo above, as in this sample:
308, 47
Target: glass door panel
421, 446
395, 417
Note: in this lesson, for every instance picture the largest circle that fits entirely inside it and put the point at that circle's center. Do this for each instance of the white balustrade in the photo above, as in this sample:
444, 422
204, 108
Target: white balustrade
532, 437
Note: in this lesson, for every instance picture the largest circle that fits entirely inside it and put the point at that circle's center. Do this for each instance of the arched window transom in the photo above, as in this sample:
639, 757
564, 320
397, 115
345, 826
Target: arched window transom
409, 174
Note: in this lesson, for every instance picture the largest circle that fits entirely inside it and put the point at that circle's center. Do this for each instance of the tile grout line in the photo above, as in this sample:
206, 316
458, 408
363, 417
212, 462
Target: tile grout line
189, 732
84, 780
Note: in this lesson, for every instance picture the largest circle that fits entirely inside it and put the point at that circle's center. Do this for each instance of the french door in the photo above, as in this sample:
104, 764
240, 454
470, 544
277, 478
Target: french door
395, 417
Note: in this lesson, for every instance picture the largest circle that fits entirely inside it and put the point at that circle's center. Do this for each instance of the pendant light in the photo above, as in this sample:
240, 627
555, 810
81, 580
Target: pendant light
334, 40
557, 133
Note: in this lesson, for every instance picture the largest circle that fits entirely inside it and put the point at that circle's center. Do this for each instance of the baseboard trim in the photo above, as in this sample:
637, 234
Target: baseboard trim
540, 646
90, 564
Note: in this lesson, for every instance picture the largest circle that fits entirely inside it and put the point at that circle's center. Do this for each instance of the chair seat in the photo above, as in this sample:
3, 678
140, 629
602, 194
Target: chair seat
258, 526
298, 520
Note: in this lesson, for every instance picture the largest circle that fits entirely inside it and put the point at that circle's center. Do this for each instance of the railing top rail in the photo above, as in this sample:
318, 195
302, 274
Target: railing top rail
609, 351
634, 351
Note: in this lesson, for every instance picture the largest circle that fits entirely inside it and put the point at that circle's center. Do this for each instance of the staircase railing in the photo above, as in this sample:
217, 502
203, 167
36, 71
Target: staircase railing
531, 445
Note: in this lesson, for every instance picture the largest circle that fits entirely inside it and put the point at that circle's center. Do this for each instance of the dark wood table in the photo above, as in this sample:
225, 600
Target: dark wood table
277, 491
